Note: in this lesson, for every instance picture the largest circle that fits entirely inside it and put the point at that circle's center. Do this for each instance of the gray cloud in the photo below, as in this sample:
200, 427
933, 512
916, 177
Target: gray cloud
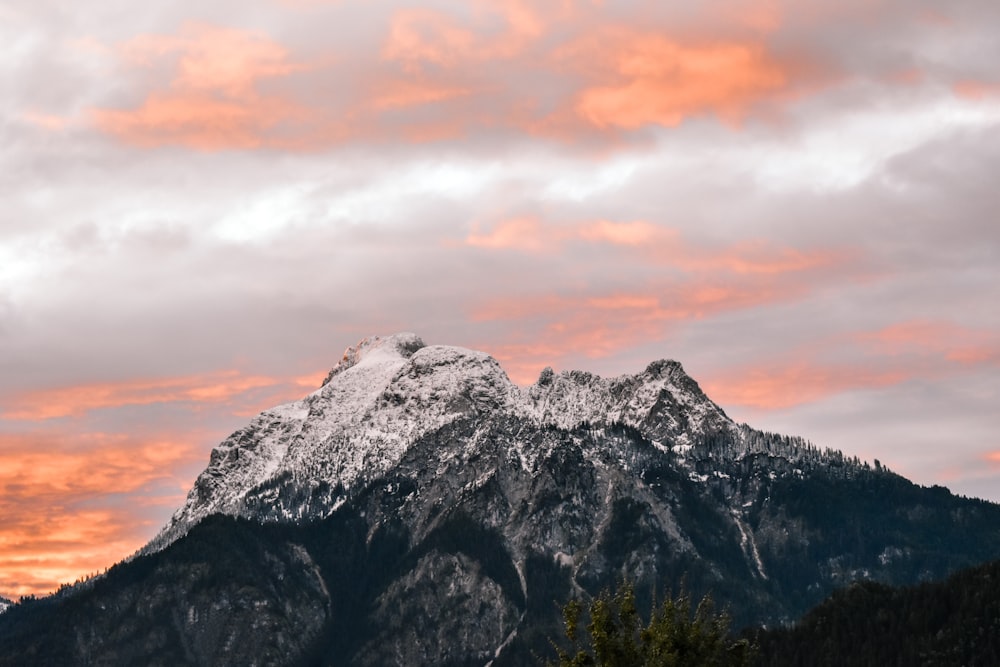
122, 262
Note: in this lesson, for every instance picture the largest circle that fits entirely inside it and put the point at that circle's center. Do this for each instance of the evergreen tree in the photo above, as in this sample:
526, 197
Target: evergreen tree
674, 637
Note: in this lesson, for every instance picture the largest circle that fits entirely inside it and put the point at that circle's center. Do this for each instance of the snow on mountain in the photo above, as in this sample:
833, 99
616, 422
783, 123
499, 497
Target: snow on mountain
387, 392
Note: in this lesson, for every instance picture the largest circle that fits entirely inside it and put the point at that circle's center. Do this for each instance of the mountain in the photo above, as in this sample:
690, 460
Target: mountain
4, 604
419, 508
301, 460
953, 622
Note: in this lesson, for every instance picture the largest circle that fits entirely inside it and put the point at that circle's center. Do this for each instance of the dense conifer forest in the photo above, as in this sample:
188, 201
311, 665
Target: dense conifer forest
951, 622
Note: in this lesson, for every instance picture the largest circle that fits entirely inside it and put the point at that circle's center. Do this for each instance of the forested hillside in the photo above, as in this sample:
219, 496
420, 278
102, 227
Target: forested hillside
952, 622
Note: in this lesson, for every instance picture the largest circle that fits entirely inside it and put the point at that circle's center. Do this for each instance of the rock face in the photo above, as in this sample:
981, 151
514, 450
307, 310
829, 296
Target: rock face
419, 508
302, 459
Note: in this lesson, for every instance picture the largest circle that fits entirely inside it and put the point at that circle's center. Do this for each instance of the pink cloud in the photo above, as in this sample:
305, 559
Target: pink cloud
656, 80
566, 71
401, 93
972, 89
212, 100
780, 386
706, 281
217, 387
599, 325
656, 244
46, 121
895, 354
420, 36
938, 339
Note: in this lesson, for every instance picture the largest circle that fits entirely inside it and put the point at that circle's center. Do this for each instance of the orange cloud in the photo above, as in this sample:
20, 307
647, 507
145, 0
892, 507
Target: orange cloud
214, 58
216, 387
61, 499
903, 336
651, 79
945, 340
525, 234
679, 302
77, 544
566, 71
198, 121
975, 355
634, 233
975, 90
601, 325
760, 257
396, 93
656, 243
74, 503
775, 387
212, 100
905, 351
310, 382
97, 463
46, 121
421, 36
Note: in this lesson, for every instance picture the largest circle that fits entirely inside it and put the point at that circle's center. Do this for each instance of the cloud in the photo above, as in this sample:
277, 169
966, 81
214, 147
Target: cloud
545, 329
658, 81
564, 72
976, 90
420, 36
46, 121
218, 387
230, 389
944, 340
530, 234
213, 99
669, 283
901, 352
60, 496
657, 244
396, 94
781, 386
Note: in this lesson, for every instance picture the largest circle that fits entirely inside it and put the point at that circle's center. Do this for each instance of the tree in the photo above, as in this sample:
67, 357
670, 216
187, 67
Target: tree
674, 637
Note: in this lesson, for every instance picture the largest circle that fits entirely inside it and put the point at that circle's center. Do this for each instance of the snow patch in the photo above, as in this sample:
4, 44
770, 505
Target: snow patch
748, 545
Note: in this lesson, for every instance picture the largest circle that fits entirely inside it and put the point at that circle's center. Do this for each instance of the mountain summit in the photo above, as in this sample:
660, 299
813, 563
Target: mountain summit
387, 393
421, 509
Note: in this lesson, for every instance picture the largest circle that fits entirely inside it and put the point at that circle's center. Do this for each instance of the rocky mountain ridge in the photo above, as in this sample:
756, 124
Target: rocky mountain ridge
386, 393
419, 508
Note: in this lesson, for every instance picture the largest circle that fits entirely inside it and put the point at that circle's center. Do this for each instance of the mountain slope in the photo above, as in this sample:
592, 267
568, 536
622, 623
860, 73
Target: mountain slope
421, 509
952, 622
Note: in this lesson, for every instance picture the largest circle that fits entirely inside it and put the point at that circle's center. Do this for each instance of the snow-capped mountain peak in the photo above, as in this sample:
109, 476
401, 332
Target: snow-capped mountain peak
388, 392
374, 349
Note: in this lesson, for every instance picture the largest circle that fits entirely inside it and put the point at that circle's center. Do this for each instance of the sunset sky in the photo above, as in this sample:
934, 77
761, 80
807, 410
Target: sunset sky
204, 203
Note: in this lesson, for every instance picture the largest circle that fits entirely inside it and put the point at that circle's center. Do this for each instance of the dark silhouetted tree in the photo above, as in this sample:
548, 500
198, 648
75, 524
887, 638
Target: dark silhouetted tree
674, 636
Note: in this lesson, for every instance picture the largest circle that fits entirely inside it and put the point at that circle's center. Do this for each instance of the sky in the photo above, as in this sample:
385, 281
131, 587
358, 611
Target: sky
205, 203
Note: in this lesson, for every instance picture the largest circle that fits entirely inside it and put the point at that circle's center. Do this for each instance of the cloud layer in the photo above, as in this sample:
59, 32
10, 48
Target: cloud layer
205, 203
